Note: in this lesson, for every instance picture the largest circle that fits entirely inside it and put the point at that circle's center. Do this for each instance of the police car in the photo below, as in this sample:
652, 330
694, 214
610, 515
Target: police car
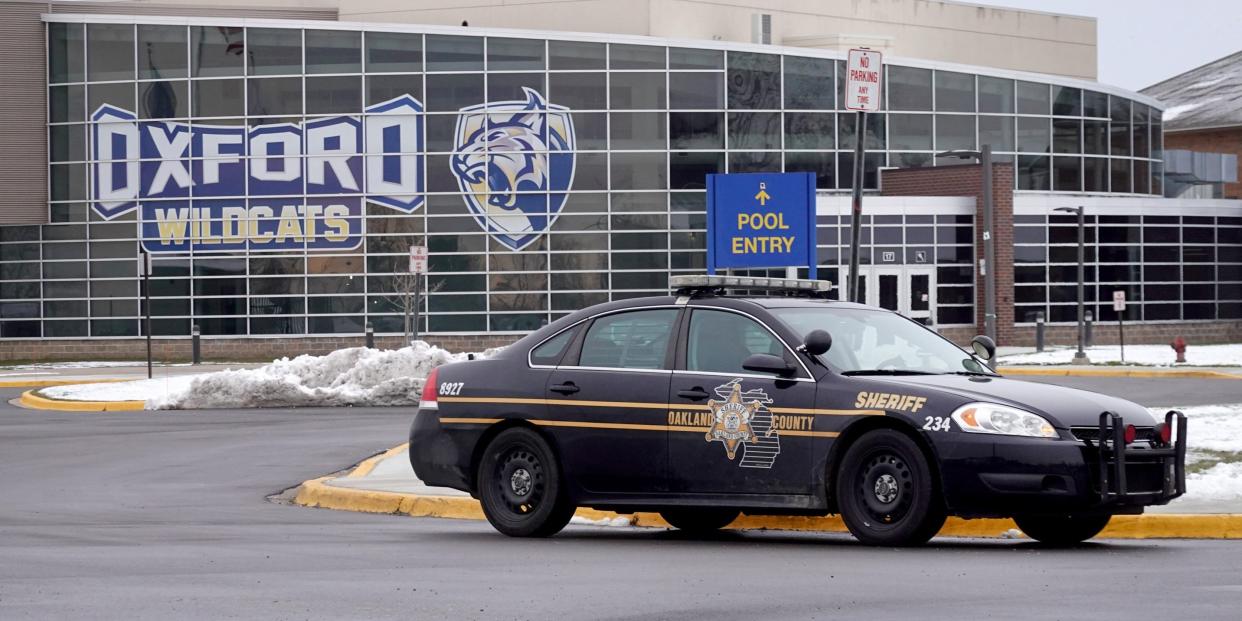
707, 404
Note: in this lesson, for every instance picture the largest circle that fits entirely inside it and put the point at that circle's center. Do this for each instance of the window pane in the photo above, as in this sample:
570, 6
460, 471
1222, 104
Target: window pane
163, 100
110, 52
636, 57
216, 51
274, 51
1119, 137
1066, 101
1120, 175
1033, 135
66, 57
575, 55
810, 130
275, 96
696, 130
754, 81
1033, 98
754, 130
639, 171
515, 54
218, 98
450, 93
995, 94
688, 171
330, 95
394, 52
1066, 172
578, 91
696, 91
642, 91
162, 52
119, 94
1095, 137
706, 351
874, 131
822, 164
1094, 104
67, 143
910, 131
333, 51
1033, 173
447, 53
381, 88
550, 352
638, 130
66, 103
1066, 135
634, 340
808, 83
1095, 174
909, 88
688, 58
955, 132
955, 92
996, 131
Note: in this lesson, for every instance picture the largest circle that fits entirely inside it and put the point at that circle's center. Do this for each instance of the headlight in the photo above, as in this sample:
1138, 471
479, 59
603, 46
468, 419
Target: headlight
1003, 420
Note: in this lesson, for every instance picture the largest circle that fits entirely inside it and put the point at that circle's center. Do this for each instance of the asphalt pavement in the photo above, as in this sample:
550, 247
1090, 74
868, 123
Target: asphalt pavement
1153, 392
166, 515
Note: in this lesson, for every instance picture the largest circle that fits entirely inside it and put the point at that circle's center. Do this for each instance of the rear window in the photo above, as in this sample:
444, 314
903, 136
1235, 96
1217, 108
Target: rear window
549, 352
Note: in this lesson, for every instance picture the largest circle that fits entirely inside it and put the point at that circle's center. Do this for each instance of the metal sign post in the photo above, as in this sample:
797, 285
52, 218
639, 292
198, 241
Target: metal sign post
418, 267
1119, 305
864, 81
144, 270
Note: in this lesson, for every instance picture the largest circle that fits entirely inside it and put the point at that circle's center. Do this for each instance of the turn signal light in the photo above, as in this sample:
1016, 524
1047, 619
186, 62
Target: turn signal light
431, 395
1131, 434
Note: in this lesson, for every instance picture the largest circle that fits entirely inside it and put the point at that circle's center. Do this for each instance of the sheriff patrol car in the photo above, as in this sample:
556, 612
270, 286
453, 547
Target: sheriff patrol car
707, 404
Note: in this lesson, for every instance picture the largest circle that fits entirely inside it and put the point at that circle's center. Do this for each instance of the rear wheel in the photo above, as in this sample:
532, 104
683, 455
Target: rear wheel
698, 520
520, 486
1062, 530
886, 491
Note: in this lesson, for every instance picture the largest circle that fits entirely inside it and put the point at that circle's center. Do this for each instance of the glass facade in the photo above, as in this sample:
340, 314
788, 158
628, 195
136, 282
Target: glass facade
279, 175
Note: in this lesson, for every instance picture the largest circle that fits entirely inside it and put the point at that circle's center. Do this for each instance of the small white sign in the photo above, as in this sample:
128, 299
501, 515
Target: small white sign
888, 256
1119, 301
418, 259
864, 79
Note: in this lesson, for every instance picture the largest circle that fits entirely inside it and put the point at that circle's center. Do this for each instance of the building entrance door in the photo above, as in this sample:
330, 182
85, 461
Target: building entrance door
909, 290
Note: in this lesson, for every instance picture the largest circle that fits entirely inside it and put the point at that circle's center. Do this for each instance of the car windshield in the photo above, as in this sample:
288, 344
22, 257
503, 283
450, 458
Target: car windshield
879, 342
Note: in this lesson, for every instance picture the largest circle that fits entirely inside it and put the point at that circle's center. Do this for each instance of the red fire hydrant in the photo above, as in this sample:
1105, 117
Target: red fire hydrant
1179, 346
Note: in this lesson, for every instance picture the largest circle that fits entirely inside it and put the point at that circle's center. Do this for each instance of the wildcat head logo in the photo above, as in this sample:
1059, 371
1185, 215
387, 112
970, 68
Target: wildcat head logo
515, 162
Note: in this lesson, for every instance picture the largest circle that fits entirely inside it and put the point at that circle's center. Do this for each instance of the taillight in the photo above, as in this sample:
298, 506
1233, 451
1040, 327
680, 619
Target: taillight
1131, 434
1165, 433
431, 395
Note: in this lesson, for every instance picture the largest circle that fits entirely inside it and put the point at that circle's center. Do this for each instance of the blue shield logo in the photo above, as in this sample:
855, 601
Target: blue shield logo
515, 163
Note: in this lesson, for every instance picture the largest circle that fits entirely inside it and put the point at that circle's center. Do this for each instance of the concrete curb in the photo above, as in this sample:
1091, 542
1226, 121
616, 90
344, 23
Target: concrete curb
31, 399
318, 493
47, 383
1062, 372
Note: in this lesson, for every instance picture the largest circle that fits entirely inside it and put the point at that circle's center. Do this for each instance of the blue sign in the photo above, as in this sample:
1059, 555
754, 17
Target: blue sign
761, 220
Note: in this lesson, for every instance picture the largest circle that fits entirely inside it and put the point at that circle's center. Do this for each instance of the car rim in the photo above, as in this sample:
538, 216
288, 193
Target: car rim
886, 489
520, 481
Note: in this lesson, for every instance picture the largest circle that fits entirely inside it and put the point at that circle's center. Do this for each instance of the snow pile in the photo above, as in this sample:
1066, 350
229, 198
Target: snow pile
1148, 355
1214, 455
354, 376
137, 390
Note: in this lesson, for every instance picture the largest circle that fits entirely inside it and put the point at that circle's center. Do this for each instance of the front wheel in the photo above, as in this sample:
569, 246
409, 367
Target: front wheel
520, 486
886, 491
699, 521
1062, 530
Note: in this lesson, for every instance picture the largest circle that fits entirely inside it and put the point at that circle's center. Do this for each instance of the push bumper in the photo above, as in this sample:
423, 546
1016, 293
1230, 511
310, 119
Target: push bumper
1093, 470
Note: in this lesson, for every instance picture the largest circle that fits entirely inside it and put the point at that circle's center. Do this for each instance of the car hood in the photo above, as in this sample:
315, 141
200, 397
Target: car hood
1063, 407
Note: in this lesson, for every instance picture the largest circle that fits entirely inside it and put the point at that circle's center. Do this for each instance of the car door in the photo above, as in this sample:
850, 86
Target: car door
608, 402
732, 430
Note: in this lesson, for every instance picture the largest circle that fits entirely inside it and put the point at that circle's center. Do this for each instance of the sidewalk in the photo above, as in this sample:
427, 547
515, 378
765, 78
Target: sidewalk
386, 484
55, 374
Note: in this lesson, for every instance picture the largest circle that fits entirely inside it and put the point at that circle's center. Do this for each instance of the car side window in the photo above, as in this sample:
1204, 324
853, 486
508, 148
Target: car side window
631, 340
720, 341
550, 351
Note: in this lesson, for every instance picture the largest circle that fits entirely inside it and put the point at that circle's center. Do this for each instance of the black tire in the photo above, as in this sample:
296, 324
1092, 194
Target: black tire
887, 493
1062, 530
699, 520
520, 485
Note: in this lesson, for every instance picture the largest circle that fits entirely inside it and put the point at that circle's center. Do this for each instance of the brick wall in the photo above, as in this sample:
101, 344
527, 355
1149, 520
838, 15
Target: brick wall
1211, 141
966, 180
1197, 332
220, 349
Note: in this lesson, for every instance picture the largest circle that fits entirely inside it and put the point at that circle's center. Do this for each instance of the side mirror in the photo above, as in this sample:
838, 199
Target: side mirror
817, 342
767, 363
984, 347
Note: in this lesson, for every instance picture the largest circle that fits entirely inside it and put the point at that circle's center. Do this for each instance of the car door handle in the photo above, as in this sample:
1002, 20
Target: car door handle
694, 394
568, 388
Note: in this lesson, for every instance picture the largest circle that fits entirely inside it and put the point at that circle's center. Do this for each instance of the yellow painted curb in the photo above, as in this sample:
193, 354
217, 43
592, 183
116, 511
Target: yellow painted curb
318, 493
1062, 372
32, 400
59, 382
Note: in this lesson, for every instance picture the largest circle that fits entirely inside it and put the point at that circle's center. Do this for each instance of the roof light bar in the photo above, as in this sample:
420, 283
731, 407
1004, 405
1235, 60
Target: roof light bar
748, 282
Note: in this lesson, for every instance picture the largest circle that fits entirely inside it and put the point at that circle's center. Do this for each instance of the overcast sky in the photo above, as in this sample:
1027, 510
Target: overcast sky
1142, 42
